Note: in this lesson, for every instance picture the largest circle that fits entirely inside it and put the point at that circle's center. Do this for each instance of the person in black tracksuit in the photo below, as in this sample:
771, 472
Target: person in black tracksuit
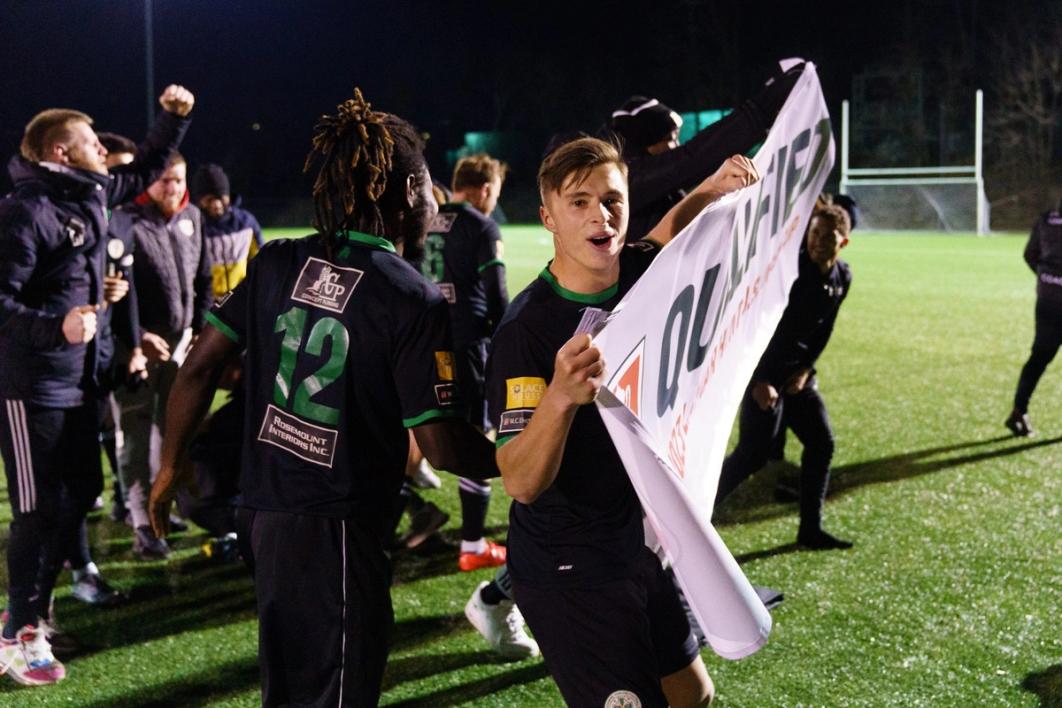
783, 390
53, 229
1043, 253
661, 170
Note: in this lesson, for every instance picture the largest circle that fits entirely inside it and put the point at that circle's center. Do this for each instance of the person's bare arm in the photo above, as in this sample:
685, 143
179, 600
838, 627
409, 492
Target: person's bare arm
190, 398
737, 172
457, 447
529, 461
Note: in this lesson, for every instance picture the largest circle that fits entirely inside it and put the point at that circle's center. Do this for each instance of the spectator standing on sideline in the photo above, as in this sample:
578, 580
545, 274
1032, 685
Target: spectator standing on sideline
172, 272
1043, 253
328, 405
784, 390
125, 320
231, 233
53, 234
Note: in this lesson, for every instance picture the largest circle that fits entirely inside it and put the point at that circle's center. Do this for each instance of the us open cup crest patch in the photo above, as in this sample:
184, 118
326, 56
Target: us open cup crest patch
623, 699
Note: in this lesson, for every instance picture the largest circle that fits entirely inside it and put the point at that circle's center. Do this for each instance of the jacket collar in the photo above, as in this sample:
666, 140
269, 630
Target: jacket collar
58, 180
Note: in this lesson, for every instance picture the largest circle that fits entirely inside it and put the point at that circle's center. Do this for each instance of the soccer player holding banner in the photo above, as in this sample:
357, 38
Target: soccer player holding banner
607, 618
345, 349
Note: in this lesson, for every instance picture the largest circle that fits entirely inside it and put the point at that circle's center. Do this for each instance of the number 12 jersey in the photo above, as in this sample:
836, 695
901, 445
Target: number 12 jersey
343, 354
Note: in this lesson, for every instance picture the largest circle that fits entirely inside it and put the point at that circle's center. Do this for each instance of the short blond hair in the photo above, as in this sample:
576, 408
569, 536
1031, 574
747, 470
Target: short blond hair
576, 160
48, 128
477, 170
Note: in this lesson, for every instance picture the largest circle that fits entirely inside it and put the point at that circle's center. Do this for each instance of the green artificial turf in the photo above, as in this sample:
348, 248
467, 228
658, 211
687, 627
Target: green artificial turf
951, 595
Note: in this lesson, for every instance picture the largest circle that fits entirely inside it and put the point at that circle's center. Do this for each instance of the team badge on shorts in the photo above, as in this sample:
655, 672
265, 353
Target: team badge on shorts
325, 285
623, 699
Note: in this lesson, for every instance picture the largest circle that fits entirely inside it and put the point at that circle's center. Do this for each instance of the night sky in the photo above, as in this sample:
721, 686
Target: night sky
263, 71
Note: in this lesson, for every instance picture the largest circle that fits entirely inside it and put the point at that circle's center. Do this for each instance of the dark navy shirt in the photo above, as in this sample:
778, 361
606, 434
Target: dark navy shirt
461, 248
807, 322
587, 527
343, 354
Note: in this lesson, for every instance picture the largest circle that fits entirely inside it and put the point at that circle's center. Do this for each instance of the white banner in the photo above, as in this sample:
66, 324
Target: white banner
682, 346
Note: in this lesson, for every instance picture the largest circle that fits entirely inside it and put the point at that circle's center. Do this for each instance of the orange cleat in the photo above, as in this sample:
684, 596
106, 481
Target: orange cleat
490, 558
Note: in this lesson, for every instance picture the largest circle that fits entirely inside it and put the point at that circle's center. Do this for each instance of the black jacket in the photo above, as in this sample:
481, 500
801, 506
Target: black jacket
807, 322
658, 182
1043, 253
53, 234
171, 269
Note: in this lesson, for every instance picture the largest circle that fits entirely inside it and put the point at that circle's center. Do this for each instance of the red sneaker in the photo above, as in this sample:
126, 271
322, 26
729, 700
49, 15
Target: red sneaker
490, 558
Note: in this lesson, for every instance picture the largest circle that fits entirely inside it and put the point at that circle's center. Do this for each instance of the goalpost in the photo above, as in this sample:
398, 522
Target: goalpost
942, 198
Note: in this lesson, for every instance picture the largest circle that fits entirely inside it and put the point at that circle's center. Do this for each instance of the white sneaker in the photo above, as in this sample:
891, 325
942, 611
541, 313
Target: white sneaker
501, 625
425, 478
28, 658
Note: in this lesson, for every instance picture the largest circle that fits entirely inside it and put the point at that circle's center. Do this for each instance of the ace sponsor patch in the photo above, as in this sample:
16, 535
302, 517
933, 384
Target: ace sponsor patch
325, 285
444, 365
524, 392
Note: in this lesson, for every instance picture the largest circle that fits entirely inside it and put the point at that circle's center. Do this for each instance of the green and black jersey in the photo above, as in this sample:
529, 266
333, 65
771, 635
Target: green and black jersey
462, 254
587, 527
343, 354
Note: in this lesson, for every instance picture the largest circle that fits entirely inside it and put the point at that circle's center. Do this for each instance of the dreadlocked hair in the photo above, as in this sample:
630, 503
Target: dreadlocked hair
357, 152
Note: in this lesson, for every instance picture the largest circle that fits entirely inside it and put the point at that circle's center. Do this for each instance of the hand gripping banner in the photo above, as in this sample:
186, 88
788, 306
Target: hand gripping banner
682, 346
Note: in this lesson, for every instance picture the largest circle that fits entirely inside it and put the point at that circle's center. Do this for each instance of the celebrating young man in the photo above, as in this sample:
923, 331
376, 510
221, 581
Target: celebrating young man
784, 392
345, 350
607, 618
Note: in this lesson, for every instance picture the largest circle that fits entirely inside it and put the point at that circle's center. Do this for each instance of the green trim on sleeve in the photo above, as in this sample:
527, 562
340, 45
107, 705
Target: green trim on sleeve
222, 327
504, 439
428, 415
488, 264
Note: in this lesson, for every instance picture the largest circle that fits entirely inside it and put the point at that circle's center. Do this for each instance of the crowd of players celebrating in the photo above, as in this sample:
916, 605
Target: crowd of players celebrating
385, 337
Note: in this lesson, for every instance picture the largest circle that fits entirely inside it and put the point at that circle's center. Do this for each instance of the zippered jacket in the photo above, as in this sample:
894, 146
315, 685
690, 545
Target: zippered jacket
53, 236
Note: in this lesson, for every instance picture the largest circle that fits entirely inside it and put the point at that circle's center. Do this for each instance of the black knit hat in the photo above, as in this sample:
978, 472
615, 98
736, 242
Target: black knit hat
642, 121
210, 179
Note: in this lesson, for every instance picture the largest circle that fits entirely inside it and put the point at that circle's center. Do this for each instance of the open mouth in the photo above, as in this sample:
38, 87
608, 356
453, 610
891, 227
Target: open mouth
601, 240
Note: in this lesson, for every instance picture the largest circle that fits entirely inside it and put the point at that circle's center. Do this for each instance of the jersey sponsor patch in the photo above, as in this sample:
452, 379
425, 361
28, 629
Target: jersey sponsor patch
514, 421
443, 222
623, 699
444, 365
186, 227
499, 250
444, 394
449, 292
325, 285
524, 392
304, 440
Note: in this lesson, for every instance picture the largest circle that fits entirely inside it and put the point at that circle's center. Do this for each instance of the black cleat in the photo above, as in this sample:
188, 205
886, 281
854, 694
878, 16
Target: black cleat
819, 540
1018, 424
422, 524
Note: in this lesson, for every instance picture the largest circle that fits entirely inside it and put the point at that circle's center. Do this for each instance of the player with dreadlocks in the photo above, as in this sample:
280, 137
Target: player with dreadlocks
345, 349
